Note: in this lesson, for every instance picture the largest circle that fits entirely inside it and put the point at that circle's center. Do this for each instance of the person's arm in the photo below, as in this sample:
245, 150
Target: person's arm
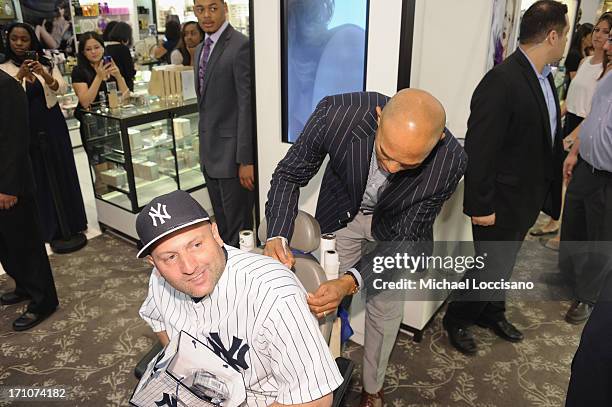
176, 58
325, 401
160, 50
487, 127
114, 71
149, 311
163, 337
300, 360
45, 37
242, 84
572, 157
53, 80
24, 73
244, 144
300, 164
86, 93
13, 146
62, 86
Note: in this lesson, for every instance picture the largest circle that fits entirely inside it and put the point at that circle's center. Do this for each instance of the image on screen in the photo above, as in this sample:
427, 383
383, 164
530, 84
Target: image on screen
324, 51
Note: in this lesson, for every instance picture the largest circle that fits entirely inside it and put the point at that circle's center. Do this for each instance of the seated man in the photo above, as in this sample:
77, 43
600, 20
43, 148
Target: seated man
248, 308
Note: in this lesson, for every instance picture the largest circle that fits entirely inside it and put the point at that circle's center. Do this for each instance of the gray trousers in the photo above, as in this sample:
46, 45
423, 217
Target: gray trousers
382, 316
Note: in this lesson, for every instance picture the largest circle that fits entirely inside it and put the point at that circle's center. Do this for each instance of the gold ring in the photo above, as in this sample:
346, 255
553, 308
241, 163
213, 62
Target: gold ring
324, 314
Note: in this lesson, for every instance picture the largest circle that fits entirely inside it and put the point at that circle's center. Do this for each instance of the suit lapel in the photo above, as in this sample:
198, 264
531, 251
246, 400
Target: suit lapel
216, 54
536, 89
359, 156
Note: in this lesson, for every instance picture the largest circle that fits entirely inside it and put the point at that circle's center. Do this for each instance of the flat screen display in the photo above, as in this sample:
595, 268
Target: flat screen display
324, 53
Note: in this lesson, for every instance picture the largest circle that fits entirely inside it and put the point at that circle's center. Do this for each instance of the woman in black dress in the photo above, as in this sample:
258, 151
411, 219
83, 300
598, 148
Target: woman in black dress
43, 83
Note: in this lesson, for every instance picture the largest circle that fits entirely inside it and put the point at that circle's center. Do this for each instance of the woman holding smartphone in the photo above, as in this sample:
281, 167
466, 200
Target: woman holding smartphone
92, 72
43, 83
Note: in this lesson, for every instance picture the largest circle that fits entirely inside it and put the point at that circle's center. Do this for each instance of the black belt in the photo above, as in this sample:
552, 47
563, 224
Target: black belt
595, 170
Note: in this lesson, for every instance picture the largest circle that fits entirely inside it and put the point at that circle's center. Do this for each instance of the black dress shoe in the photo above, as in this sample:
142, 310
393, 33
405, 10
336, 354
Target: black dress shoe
29, 320
461, 339
578, 312
503, 329
12, 298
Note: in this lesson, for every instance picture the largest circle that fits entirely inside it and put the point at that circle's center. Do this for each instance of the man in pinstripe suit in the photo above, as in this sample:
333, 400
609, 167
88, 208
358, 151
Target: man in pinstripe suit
392, 165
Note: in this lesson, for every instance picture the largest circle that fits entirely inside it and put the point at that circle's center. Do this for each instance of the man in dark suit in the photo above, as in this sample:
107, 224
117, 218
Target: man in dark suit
392, 164
514, 148
22, 250
223, 88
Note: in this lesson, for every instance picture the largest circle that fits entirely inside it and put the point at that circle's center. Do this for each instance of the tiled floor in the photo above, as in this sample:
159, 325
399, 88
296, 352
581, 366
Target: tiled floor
88, 196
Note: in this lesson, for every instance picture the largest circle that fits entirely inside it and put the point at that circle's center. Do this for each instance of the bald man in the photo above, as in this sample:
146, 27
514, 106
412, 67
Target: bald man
392, 164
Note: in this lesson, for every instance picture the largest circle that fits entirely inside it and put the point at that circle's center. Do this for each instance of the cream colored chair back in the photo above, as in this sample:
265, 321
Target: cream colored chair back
306, 238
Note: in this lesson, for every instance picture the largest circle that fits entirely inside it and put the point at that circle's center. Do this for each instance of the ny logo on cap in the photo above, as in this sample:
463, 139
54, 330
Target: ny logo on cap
156, 214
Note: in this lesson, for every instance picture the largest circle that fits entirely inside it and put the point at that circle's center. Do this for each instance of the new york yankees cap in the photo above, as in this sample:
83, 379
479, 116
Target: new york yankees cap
166, 214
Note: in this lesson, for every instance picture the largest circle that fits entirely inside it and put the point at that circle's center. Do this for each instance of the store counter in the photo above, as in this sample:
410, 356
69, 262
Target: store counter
137, 153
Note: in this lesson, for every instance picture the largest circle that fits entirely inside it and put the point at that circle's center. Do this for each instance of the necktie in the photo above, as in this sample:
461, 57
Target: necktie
204, 61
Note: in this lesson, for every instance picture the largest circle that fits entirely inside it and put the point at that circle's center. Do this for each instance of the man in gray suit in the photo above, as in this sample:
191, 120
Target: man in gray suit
223, 88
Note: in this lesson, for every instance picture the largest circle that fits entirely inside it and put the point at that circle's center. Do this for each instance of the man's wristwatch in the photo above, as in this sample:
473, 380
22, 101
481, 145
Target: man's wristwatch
355, 289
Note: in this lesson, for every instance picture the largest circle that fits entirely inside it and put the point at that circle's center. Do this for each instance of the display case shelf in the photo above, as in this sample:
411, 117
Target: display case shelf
138, 153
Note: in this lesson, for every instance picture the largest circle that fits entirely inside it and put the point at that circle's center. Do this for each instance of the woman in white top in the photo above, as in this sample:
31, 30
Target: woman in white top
578, 103
582, 87
49, 138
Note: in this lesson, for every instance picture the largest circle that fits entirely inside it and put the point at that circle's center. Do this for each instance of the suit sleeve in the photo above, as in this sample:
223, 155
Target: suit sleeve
294, 171
14, 137
242, 78
487, 127
196, 70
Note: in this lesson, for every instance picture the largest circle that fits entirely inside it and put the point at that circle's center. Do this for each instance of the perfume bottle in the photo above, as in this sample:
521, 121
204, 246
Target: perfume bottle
102, 98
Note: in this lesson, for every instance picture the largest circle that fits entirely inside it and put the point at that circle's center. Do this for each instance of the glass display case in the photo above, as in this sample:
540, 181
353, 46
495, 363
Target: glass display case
138, 153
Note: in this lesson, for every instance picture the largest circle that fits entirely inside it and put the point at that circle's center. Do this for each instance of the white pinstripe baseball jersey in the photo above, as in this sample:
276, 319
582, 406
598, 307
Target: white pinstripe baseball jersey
258, 321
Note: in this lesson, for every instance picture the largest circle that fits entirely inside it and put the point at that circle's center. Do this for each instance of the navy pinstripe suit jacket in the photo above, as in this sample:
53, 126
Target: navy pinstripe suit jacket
344, 126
